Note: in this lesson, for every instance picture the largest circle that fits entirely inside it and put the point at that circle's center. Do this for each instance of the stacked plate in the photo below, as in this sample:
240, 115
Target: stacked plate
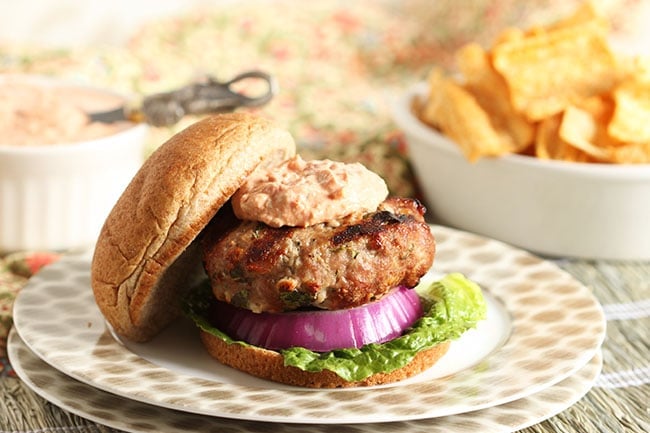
537, 353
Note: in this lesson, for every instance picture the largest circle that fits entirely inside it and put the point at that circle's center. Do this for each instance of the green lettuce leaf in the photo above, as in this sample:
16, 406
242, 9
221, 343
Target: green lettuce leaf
453, 305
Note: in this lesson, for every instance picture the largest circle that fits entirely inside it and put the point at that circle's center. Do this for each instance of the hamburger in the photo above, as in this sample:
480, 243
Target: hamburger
312, 281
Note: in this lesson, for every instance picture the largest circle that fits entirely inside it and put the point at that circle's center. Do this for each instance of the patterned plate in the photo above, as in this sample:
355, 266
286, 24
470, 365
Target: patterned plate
128, 415
555, 327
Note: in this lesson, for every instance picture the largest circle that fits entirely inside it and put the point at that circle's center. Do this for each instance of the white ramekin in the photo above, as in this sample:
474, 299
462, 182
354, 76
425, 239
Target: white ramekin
56, 197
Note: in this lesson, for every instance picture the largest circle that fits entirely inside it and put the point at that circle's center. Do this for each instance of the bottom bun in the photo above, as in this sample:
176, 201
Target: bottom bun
268, 364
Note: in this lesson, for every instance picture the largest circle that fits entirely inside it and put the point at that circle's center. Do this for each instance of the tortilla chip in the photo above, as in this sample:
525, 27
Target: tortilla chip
457, 114
631, 119
631, 153
641, 68
491, 92
582, 130
550, 145
549, 70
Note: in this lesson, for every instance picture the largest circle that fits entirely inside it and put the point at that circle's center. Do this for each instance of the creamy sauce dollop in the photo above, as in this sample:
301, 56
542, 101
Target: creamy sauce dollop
301, 193
32, 115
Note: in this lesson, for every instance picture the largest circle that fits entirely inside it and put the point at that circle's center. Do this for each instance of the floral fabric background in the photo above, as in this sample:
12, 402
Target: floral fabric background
338, 63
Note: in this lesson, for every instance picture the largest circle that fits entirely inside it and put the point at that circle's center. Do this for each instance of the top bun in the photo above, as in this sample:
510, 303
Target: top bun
145, 257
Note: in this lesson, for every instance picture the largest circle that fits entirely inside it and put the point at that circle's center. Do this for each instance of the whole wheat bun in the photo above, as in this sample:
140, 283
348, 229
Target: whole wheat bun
268, 364
145, 258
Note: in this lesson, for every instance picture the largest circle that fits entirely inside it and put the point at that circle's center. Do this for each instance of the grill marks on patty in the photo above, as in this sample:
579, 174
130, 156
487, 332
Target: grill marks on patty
369, 227
260, 257
325, 266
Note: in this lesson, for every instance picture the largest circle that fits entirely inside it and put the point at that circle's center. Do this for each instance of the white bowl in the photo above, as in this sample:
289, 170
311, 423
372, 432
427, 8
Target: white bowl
56, 197
598, 211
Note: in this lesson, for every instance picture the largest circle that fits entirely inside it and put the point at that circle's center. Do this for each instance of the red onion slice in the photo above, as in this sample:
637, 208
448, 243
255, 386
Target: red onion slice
322, 330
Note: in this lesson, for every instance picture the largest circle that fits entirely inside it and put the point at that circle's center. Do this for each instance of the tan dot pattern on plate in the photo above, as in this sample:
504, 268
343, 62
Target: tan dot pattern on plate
129, 415
557, 327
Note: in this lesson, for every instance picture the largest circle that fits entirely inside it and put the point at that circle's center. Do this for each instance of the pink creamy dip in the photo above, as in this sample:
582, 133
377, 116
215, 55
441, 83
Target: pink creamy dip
301, 193
32, 114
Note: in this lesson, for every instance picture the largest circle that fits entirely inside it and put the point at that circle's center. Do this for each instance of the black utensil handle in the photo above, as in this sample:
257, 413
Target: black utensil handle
211, 96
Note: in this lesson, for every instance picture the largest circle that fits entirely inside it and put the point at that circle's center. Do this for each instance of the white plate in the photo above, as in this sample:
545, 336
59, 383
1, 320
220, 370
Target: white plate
555, 327
128, 415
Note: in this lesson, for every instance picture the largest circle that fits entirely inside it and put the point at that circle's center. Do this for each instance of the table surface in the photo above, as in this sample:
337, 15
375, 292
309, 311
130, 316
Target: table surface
371, 50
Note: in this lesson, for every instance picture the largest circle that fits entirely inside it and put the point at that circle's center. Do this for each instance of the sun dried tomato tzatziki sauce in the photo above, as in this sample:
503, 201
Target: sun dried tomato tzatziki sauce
301, 193
32, 114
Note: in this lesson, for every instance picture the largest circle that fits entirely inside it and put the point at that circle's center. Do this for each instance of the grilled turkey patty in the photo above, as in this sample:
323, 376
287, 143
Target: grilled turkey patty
260, 268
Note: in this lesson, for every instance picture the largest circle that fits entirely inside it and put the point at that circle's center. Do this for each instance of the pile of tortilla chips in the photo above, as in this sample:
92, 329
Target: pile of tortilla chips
554, 92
